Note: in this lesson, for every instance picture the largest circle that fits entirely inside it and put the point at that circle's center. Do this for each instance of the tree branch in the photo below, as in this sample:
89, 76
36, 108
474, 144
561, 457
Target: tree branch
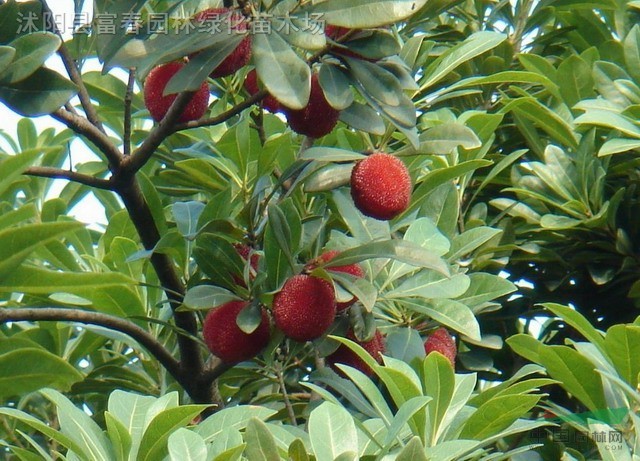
55, 173
74, 74
146, 339
142, 218
81, 126
128, 99
162, 131
223, 117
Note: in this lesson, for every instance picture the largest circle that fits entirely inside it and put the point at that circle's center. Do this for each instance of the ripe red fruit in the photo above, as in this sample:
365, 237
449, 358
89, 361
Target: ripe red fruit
375, 347
228, 21
159, 105
335, 32
318, 118
305, 307
381, 186
352, 269
441, 341
252, 86
226, 340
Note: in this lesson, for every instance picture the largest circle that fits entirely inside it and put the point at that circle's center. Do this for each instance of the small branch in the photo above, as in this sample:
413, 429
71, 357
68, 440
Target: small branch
55, 173
132, 330
223, 117
215, 369
81, 126
74, 74
128, 99
285, 397
162, 131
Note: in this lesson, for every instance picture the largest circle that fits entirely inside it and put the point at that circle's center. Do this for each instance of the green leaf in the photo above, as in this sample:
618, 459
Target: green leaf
26, 370
45, 429
404, 414
622, 343
41, 93
486, 287
475, 45
430, 284
186, 215
153, 445
32, 50
404, 344
439, 383
363, 118
471, 240
526, 346
232, 417
332, 431
442, 139
398, 250
617, 146
261, 446
208, 296
412, 451
77, 425
191, 76
576, 373
284, 74
335, 86
6, 56
297, 451
496, 415
632, 52
119, 436
17, 243
362, 14
331, 154
450, 313
186, 445
577, 321
575, 80
12, 167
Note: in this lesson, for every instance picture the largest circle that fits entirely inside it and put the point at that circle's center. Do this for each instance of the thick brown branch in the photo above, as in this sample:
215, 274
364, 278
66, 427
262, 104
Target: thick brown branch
81, 126
56, 173
74, 74
146, 339
140, 213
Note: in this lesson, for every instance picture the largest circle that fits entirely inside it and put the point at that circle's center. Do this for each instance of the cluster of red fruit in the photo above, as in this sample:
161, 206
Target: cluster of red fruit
303, 310
315, 120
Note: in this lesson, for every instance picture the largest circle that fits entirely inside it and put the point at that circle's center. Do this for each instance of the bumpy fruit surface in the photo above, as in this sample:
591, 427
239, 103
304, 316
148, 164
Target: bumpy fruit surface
352, 269
441, 341
305, 307
159, 105
375, 347
226, 21
253, 87
226, 340
381, 186
318, 118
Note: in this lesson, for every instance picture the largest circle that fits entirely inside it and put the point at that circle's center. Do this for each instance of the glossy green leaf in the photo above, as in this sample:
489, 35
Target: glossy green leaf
335, 86
622, 344
186, 445
284, 74
261, 445
332, 431
32, 50
496, 415
366, 13
42, 93
453, 314
439, 384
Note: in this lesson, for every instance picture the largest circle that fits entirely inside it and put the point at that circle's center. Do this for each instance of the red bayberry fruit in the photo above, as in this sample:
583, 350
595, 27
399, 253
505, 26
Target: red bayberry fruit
441, 341
232, 21
381, 186
252, 86
375, 347
318, 118
335, 32
159, 105
305, 307
243, 251
352, 269
226, 340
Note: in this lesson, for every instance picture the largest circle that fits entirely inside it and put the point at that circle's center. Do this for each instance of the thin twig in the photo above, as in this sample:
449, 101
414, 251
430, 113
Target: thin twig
285, 397
81, 125
128, 99
56, 173
74, 74
223, 117
146, 339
